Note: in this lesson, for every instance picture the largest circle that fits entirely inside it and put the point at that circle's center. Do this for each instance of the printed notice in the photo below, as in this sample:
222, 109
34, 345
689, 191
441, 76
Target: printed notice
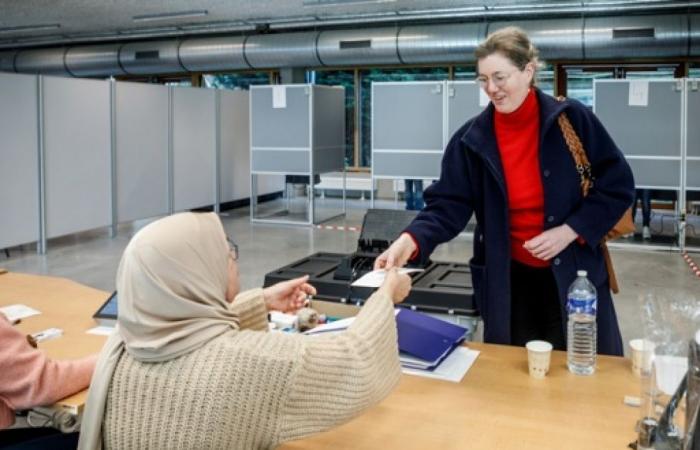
639, 93
279, 97
483, 98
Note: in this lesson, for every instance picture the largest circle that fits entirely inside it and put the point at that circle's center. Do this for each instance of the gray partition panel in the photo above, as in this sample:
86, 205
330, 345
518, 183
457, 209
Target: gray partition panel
194, 147
328, 129
653, 130
19, 175
280, 127
142, 150
78, 157
281, 161
693, 129
407, 116
462, 104
656, 173
692, 181
235, 145
406, 165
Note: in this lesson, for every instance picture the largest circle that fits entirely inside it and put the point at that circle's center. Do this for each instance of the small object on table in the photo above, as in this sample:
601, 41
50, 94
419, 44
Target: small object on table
308, 318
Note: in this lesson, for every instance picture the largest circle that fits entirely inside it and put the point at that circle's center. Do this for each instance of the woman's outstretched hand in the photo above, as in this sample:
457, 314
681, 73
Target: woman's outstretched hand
396, 285
288, 296
397, 254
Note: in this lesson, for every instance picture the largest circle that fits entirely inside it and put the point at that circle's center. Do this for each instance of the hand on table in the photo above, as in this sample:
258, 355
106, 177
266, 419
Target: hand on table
288, 296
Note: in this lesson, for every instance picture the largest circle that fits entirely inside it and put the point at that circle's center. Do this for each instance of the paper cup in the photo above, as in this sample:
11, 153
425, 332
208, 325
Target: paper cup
539, 354
641, 351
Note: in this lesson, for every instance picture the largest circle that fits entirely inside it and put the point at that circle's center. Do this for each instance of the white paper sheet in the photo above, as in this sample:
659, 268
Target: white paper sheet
16, 312
638, 93
279, 97
453, 368
376, 277
483, 98
101, 330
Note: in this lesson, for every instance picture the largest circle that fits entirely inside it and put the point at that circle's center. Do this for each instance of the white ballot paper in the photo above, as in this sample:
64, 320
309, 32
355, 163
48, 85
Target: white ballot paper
376, 277
16, 312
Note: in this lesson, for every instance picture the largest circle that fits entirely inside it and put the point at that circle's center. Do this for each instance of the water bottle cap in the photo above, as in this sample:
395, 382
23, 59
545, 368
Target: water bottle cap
581, 273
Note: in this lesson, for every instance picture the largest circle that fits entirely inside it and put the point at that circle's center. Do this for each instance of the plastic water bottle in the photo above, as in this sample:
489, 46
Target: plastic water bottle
582, 302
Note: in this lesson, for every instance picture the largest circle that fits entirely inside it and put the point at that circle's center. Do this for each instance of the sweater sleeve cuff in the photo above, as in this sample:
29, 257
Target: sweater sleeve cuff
251, 310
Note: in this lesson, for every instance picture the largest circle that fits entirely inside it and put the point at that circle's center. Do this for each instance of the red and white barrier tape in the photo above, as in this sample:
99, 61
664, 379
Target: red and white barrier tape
693, 266
337, 228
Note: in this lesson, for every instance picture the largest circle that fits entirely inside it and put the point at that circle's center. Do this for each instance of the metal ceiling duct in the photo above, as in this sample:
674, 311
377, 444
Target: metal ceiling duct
267, 51
636, 37
440, 43
694, 35
46, 61
94, 60
153, 57
559, 39
213, 53
358, 47
7, 61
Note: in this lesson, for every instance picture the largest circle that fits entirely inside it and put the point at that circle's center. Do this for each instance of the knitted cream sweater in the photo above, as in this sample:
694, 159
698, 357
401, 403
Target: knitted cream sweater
251, 389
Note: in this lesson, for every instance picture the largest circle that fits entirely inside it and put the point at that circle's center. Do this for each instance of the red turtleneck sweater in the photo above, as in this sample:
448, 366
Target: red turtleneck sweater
517, 135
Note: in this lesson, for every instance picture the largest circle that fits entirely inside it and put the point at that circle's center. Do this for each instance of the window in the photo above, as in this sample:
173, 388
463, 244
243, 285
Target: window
694, 70
345, 78
579, 83
235, 80
465, 73
367, 76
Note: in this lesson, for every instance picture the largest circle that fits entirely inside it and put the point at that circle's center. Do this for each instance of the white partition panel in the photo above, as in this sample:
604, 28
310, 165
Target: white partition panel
194, 147
78, 155
235, 145
19, 174
142, 150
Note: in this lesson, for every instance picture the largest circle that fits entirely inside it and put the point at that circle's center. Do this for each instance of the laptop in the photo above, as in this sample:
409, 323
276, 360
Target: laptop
106, 315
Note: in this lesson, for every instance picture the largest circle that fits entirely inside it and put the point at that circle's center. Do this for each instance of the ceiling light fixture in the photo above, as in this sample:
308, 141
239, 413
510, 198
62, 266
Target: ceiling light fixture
40, 27
170, 16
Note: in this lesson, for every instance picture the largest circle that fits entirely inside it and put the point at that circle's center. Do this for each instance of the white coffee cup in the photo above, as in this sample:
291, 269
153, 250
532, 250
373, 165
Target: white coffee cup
539, 354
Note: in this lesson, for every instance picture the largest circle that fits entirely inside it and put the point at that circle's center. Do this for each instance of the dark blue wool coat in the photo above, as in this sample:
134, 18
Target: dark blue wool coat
472, 182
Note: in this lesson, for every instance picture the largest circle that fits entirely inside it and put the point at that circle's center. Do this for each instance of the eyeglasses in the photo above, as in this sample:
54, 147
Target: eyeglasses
499, 79
232, 248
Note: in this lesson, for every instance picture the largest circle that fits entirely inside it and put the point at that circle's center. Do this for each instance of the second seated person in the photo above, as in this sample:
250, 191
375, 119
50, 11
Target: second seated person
510, 166
192, 364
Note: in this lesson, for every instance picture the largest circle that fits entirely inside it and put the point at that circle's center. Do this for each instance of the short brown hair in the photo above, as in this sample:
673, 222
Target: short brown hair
514, 44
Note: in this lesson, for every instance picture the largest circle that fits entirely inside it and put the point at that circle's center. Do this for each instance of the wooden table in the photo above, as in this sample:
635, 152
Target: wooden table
496, 406
63, 304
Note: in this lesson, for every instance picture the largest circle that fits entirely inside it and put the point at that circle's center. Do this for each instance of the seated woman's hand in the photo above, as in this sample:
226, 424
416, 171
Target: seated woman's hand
288, 296
396, 285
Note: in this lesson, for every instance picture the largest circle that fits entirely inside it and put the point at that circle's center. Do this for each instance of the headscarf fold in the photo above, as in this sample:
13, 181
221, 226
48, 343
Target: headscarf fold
171, 286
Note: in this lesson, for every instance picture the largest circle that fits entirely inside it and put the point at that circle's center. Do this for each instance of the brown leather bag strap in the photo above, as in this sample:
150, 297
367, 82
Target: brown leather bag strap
583, 166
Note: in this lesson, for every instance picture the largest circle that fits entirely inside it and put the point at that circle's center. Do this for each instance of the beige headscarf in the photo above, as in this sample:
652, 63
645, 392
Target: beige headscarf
172, 283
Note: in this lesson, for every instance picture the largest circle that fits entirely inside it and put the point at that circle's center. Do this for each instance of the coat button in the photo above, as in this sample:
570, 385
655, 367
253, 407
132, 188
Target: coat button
550, 219
546, 173
557, 261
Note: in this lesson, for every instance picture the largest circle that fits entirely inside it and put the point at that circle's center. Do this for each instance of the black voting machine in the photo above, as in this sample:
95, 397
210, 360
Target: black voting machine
442, 287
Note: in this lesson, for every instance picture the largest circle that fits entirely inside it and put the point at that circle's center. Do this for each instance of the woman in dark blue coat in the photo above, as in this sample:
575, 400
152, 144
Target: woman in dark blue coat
511, 167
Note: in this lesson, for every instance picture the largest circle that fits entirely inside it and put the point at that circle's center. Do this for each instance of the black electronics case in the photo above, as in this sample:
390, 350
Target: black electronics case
442, 287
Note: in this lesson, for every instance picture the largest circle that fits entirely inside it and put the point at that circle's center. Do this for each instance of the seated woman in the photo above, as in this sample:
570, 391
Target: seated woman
29, 378
194, 366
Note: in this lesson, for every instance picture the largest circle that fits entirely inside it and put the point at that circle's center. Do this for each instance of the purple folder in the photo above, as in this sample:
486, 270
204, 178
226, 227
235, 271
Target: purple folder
426, 337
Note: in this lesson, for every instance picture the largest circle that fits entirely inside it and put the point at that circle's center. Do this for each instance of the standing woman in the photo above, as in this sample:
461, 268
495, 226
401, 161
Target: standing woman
511, 167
